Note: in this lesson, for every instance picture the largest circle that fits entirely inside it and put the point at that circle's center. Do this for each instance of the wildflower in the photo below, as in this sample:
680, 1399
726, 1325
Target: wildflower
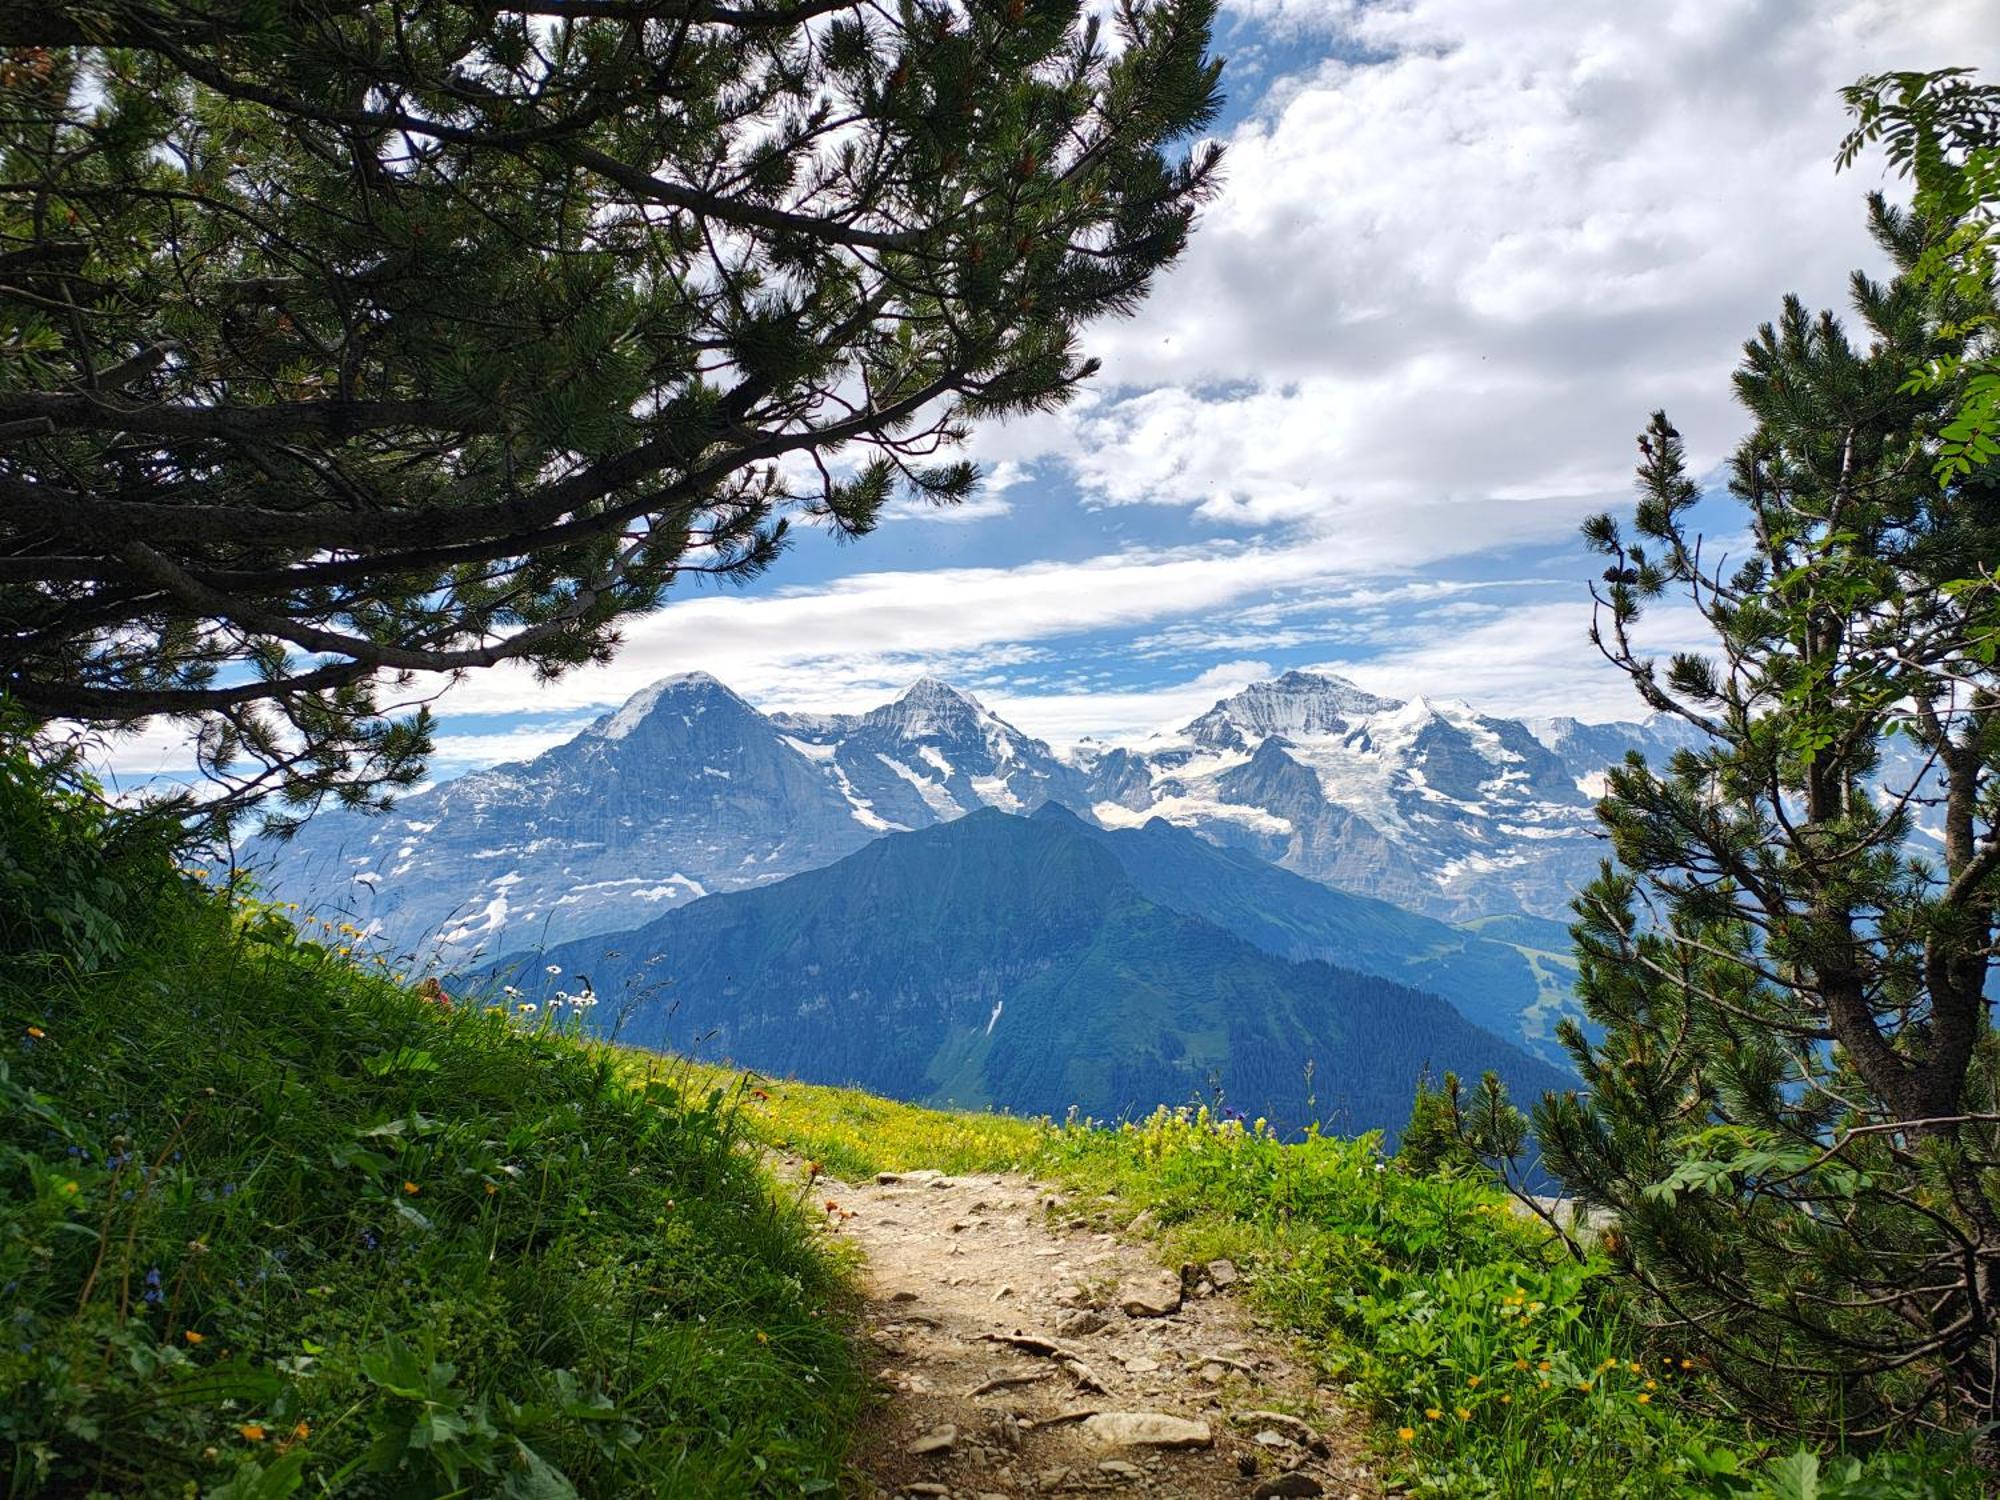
412, 1189
301, 1432
1461, 1413
36, 1032
814, 1171
1506, 1398
1542, 1365
1431, 1413
1583, 1385
1633, 1367
1652, 1385
1473, 1381
1645, 1398
71, 1189
491, 1190
1687, 1364
526, 1007
555, 968
1407, 1434
1520, 1364
509, 990
763, 1337
252, 1432
192, 1337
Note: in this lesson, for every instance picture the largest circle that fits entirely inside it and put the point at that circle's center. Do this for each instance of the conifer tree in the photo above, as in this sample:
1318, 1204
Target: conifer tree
346, 343
1793, 1107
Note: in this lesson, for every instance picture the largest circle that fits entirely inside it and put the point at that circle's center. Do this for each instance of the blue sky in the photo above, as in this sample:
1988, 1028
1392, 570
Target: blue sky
1464, 247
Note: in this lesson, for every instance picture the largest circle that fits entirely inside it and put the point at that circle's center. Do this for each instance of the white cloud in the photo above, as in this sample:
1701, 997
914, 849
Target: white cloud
1442, 288
1529, 661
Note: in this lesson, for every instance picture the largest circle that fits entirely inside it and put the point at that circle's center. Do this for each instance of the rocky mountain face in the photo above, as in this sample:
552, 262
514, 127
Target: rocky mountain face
1036, 964
1428, 804
685, 790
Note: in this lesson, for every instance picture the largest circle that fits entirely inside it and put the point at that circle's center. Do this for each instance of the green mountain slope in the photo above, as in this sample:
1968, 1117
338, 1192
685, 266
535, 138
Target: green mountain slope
1016, 963
1508, 974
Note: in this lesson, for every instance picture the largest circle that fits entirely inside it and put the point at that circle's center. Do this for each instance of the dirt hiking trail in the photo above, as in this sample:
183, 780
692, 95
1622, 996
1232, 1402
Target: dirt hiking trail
1020, 1348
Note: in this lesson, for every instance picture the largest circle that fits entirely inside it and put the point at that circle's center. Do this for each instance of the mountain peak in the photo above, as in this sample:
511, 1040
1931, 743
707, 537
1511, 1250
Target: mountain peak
930, 690
929, 707
1295, 704
681, 686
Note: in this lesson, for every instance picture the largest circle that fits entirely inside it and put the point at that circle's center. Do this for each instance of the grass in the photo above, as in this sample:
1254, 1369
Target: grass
1493, 1363
272, 1223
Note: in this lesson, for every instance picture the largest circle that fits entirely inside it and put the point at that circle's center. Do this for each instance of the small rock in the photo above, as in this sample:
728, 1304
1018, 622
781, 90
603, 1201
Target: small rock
1142, 1222
1004, 1292
1297, 1430
1072, 1296
1157, 1297
1212, 1373
1223, 1274
1275, 1440
1077, 1324
922, 1174
1145, 1429
924, 1488
937, 1440
1286, 1486
1117, 1468
1140, 1364
903, 1295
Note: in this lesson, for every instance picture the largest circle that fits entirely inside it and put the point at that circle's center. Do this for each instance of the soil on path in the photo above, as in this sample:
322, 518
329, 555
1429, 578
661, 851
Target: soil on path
1020, 1348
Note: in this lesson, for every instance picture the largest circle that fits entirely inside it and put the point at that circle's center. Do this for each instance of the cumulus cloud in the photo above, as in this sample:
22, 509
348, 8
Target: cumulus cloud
1445, 282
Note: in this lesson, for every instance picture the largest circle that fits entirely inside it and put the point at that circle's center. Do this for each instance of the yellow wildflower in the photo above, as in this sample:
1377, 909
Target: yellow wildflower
252, 1432
1473, 1381
1506, 1398
1645, 1398
192, 1337
1461, 1413
1431, 1413
36, 1032
1407, 1434
302, 1431
412, 1189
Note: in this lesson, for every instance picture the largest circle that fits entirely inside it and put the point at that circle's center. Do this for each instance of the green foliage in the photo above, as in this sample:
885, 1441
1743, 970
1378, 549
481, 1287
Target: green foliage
1791, 1106
272, 1223
1943, 130
346, 341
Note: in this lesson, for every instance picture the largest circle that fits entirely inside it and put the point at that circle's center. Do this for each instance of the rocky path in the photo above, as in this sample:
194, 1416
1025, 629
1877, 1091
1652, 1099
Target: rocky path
1022, 1349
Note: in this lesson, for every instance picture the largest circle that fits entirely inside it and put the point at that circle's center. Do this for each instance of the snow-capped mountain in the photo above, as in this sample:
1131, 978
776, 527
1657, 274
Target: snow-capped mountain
1429, 804
932, 755
685, 790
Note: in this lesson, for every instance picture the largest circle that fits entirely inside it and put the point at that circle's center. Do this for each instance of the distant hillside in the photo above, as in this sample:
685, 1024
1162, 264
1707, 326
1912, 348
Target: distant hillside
1017, 963
1511, 975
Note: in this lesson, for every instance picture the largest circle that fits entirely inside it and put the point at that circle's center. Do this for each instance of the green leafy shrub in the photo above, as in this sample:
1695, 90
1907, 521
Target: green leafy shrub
270, 1221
